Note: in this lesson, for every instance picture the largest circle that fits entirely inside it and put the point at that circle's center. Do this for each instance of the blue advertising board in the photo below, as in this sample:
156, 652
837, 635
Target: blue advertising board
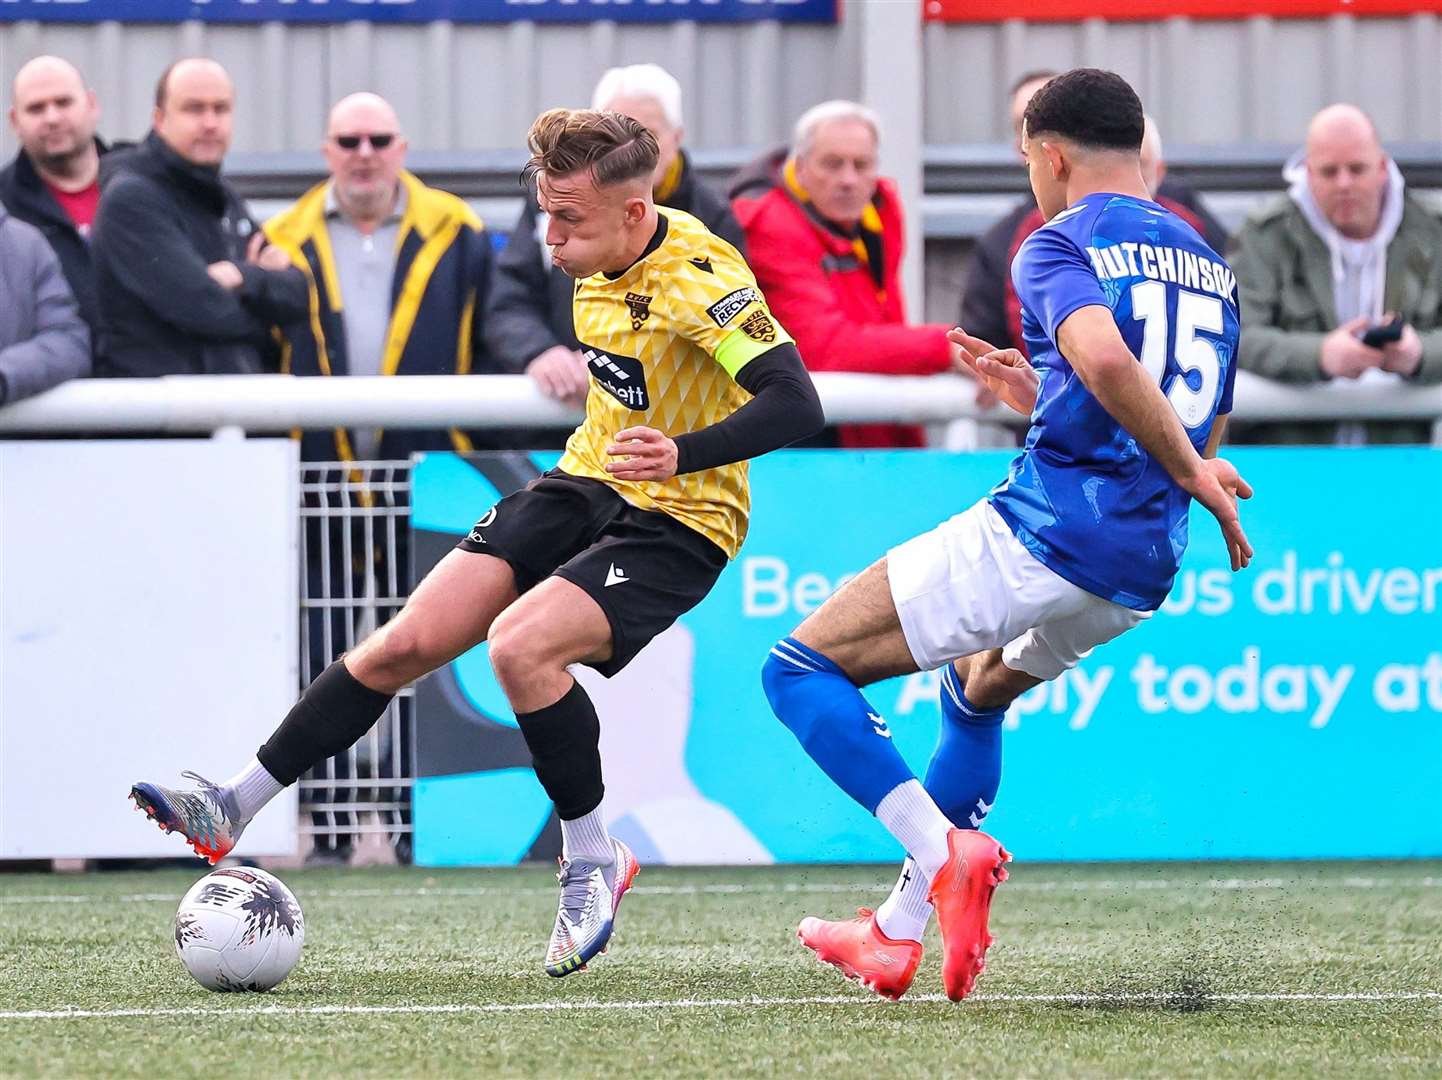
396, 11
1293, 710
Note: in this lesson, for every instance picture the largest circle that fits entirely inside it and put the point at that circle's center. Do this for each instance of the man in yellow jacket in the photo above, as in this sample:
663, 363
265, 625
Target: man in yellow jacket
398, 275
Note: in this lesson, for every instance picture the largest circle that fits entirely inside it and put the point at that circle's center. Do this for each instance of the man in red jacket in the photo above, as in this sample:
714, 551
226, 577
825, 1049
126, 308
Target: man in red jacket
824, 235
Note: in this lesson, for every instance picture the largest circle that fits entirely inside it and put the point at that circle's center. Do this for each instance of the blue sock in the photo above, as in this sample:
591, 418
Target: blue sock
834, 723
965, 768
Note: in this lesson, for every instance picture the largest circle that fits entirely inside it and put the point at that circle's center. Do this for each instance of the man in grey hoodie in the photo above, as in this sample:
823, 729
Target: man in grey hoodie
43, 340
1345, 251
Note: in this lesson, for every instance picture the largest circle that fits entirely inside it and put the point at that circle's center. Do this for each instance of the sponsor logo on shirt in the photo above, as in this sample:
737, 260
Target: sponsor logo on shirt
732, 304
622, 377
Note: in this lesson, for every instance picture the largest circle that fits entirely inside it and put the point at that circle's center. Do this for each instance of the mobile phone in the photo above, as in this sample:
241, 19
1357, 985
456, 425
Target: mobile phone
1380, 334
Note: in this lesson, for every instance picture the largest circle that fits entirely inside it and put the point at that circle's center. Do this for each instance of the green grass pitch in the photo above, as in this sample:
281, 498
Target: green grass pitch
1217, 970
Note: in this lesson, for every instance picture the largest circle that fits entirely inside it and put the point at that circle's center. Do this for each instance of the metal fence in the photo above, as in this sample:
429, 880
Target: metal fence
354, 555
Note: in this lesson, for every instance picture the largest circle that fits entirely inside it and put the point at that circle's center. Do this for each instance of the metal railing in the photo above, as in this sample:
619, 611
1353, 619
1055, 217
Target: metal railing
205, 404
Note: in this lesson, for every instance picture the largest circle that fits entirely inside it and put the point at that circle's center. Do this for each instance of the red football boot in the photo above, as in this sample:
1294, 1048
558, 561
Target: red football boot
961, 894
862, 952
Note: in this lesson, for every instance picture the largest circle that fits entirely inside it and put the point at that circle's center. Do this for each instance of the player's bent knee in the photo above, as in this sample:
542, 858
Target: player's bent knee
517, 651
773, 683
990, 684
789, 682
388, 656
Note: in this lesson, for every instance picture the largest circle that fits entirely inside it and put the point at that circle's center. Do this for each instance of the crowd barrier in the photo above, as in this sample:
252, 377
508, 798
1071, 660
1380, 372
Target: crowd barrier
202, 404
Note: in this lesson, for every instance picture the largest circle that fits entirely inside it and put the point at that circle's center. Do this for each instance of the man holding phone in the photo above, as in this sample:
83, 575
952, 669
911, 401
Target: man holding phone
1342, 278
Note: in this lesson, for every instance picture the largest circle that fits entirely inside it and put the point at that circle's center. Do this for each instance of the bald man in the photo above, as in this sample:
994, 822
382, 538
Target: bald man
398, 273
184, 285
54, 181
1342, 278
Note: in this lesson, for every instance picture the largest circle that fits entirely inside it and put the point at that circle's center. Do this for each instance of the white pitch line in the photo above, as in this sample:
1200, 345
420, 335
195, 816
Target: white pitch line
708, 1003
737, 888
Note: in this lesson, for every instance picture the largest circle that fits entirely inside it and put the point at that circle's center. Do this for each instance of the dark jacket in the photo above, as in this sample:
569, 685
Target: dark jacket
161, 222
1284, 282
530, 303
990, 308
438, 291
43, 340
25, 195
846, 314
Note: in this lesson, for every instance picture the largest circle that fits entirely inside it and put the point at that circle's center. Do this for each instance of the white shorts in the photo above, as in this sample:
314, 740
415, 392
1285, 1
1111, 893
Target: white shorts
969, 585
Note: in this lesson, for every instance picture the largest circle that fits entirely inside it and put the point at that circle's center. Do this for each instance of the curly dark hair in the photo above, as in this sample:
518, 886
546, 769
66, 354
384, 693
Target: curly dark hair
1093, 108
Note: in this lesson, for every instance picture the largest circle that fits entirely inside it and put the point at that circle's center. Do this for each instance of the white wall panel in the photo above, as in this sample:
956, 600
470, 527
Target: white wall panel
148, 598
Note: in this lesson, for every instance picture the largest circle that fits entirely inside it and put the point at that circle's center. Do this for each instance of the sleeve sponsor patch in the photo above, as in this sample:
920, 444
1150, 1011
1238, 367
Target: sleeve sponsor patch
732, 304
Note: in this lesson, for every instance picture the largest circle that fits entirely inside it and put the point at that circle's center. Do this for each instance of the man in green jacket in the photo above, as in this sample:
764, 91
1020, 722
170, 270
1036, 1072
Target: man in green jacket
1345, 251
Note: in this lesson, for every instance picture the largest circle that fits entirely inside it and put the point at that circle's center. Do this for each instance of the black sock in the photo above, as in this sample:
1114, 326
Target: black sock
333, 713
565, 744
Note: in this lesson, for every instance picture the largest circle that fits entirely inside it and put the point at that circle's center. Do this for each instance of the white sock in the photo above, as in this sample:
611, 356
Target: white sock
904, 914
251, 788
585, 840
911, 816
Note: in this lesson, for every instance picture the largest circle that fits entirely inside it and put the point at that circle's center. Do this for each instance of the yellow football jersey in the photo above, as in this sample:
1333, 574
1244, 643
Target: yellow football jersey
664, 342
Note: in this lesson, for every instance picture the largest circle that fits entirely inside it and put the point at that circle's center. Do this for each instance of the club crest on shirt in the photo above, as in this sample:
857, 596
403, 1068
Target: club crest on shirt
759, 327
640, 307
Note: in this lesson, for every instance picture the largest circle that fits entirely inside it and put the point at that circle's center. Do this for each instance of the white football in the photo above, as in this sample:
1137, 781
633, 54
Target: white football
239, 928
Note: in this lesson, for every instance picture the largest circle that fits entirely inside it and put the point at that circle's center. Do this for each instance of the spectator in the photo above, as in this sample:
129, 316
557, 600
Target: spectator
183, 283
397, 273
989, 306
54, 181
1346, 249
528, 327
825, 235
43, 339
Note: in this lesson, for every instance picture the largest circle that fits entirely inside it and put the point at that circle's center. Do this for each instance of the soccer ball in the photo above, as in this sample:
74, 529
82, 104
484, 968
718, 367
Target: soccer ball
239, 929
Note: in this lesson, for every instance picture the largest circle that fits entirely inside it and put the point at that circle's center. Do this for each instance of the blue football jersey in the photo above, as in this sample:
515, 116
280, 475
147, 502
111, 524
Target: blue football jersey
1083, 496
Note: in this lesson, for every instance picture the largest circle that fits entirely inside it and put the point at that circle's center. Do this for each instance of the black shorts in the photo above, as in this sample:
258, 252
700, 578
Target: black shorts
644, 568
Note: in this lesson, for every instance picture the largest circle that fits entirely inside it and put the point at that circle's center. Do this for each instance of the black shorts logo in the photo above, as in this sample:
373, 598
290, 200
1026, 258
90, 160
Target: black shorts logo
759, 327
475, 536
732, 304
622, 377
640, 309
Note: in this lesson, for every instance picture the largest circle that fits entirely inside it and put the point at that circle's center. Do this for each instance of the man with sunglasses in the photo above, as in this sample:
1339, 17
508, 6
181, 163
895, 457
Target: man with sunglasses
397, 274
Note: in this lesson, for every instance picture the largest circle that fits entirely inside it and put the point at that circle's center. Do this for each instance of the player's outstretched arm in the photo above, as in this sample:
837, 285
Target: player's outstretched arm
1005, 372
1091, 343
783, 408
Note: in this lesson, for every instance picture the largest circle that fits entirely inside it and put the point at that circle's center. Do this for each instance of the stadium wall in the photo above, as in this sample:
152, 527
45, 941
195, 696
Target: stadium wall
1207, 81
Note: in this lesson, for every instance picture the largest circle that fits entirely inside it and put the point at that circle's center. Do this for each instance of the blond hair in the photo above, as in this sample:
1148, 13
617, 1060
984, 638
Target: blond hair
613, 147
